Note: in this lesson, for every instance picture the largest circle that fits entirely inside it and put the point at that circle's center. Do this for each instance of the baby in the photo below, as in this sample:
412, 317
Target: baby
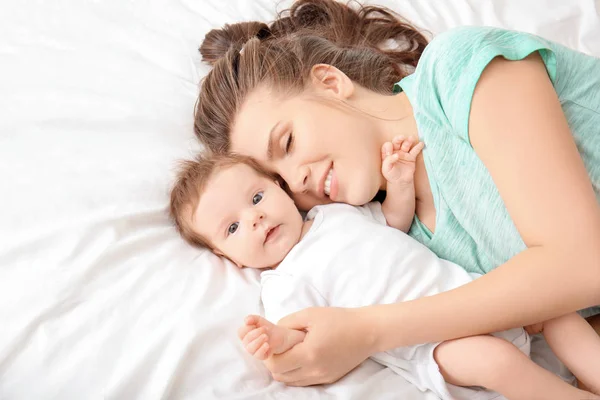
348, 256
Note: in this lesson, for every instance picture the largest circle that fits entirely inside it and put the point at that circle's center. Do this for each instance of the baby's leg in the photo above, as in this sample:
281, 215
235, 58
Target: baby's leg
497, 364
577, 345
262, 338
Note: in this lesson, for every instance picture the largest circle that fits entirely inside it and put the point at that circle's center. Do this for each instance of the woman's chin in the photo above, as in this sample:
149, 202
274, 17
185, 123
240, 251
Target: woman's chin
360, 199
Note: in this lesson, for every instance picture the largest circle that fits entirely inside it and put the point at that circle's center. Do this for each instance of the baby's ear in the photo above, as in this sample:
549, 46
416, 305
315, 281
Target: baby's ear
220, 254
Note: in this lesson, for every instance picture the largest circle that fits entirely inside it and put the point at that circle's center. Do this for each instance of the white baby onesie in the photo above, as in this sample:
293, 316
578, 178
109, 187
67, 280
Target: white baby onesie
351, 258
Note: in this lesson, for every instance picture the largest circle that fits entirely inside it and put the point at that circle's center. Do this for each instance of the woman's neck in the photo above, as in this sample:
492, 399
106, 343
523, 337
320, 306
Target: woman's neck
396, 118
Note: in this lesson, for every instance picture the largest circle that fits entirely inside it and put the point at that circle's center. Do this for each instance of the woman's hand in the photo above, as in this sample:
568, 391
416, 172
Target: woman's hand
337, 341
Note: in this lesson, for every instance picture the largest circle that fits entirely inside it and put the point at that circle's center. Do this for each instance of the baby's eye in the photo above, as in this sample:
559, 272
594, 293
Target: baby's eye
257, 198
232, 228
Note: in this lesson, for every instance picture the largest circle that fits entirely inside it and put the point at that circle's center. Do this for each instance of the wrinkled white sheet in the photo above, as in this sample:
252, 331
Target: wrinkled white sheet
99, 298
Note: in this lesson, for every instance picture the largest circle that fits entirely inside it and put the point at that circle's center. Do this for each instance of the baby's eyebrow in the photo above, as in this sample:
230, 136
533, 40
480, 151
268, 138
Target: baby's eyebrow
221, 226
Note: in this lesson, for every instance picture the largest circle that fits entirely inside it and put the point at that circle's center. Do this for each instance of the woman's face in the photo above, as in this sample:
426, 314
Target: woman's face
325, 152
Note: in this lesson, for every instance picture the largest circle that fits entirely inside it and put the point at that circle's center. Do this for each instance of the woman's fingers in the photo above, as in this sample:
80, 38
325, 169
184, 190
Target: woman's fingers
286, 377
306, 382
334, 345
286, 362
299, 320
298, 377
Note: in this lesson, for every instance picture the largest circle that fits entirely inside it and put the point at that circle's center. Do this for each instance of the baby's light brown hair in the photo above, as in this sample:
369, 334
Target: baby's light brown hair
192, 178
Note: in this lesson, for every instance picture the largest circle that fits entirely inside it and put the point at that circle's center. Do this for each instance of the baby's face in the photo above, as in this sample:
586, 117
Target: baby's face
248, 218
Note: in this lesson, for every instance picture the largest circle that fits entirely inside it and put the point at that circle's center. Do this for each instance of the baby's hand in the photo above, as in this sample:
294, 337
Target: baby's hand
399, 157
262, 338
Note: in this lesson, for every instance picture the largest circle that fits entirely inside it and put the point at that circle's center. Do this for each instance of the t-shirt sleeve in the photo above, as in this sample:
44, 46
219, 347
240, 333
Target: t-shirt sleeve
284, 294
454, 61
373, 211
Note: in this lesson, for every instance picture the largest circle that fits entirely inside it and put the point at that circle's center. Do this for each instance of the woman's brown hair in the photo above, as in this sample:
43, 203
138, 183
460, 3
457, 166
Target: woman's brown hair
370, 44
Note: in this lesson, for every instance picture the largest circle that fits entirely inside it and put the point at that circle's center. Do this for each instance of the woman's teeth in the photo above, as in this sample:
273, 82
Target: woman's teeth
327, 188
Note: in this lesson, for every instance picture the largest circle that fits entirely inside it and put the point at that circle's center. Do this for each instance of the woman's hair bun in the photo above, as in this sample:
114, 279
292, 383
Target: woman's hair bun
218, 42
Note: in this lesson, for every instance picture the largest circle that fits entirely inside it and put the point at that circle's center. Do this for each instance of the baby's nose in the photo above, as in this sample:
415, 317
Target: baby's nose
255, 217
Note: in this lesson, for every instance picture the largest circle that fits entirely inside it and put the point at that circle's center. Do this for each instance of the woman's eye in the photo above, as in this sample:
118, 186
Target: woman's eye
257, 198
289, 143
233, 227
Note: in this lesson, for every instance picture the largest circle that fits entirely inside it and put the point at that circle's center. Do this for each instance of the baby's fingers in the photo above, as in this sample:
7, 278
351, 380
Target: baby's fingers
252, 335
389, 162
263, 351
244, 330
407, 144
257, 344
417, 149
402, 142
252, 320
386, 150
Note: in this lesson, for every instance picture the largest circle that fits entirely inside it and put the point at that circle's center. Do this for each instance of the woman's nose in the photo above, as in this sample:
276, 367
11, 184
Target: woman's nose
299, 182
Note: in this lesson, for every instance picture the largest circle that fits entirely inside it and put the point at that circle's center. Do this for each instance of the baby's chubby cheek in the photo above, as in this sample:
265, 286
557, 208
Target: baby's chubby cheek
282, 249
306, 201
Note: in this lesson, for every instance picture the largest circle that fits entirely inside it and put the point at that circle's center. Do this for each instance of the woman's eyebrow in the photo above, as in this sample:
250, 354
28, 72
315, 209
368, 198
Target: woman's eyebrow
271, 144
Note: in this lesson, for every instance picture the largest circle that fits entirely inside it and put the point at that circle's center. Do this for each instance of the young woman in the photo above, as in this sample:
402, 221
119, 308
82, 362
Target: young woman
508, 184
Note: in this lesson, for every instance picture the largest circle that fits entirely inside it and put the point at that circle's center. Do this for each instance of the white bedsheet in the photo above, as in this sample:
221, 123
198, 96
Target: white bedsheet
99, 298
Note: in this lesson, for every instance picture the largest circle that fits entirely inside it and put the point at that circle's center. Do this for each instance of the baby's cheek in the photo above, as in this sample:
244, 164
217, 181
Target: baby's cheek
306, 201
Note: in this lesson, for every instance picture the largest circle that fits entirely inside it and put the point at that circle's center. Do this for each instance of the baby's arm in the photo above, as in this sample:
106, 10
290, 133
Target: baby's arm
398, 168
576, 344
262, 338
497, 364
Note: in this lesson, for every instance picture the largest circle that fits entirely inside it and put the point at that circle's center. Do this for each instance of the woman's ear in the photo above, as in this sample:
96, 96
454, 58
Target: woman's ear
328, 79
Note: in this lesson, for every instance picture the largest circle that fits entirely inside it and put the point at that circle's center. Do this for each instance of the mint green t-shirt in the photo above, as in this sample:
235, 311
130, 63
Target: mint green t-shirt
473, 227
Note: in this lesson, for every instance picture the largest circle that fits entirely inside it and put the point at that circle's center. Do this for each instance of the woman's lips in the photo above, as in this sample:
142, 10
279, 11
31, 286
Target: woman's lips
331, 184
334, 186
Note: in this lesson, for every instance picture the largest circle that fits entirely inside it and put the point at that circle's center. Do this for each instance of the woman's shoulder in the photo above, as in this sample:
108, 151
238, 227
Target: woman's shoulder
474, 46
453, 62
462, 35
466, 39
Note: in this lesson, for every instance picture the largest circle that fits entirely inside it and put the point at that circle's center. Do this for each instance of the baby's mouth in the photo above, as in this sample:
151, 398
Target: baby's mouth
271, 233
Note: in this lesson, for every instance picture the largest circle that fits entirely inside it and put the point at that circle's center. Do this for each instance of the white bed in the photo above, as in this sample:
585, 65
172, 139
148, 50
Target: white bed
99, 297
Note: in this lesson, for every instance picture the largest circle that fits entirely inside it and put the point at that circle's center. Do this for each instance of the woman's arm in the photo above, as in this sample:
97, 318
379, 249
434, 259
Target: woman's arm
519, 131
